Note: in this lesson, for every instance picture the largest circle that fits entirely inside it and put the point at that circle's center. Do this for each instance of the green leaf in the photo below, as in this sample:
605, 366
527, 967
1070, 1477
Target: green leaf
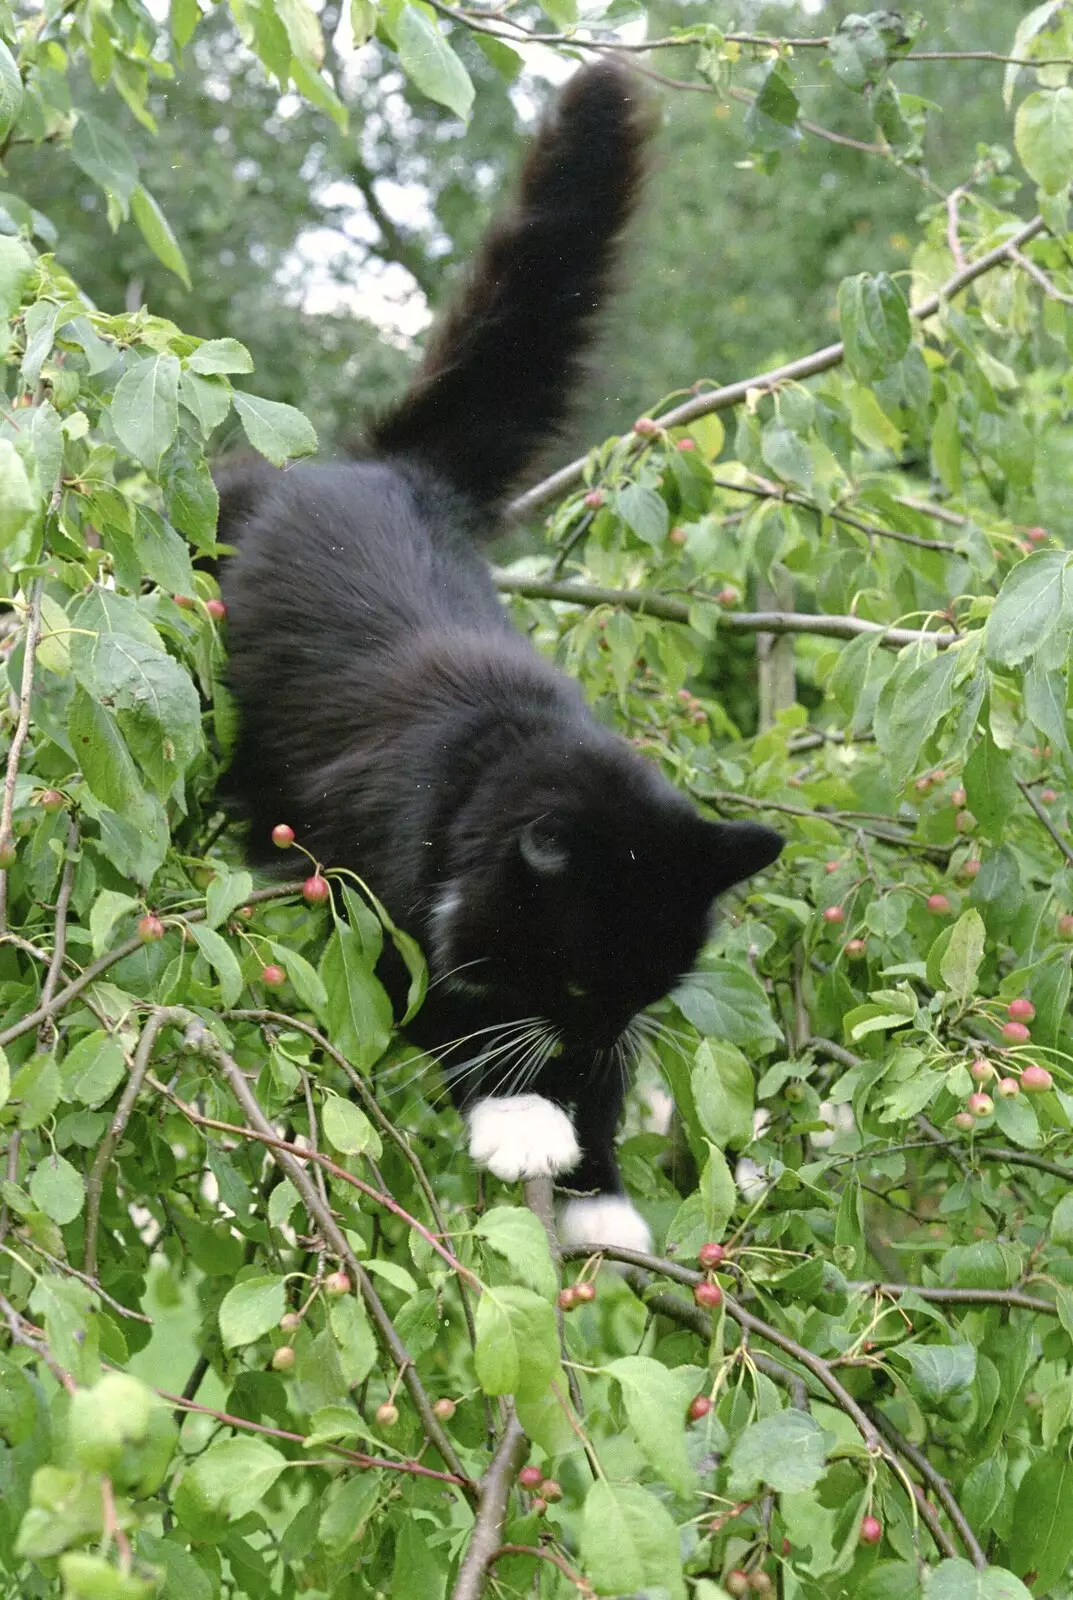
16, 265
722, 1082
358, 1011
960, 961
417, 1571
220, 355
517, 1349
279, 432
57, 1189
725, 1002
1043, 135
156, 231
249, 1310
990, 787
787, 454
940, 1369
145, 409
643, 511
10, 91
957, 1580
225, 893
1032, 603
431, 64
5, 1079
655, 1399
163, 555
207, 399
18, 499
1061, 1224
235, 1474
104, 156
629, 1542
93, 1069
354, 1340
220, 956
1042, 1536
103, 756
785, 1451
875, 325
304, 977
518, 1235
348, 1129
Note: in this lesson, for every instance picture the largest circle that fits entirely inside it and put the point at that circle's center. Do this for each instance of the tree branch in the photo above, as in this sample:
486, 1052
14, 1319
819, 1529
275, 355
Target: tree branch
809, 366
495, 1488
1041, 814
935, 1480
931, 852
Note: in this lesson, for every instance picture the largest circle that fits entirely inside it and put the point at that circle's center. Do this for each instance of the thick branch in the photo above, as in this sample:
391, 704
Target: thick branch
809, 366
648, 603
495, 1491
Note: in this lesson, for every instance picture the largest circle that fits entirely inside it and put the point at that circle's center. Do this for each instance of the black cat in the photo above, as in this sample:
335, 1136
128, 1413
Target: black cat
392, 715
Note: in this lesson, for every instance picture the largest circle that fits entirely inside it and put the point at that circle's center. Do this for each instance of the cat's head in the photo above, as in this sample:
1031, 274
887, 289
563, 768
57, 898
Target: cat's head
581, 885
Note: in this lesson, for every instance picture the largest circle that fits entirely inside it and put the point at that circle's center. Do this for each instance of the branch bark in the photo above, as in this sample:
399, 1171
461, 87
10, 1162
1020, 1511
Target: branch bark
495, 1488
809, 366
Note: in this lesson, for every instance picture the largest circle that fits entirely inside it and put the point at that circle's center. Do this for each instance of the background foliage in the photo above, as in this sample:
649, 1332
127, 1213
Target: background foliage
265, 1332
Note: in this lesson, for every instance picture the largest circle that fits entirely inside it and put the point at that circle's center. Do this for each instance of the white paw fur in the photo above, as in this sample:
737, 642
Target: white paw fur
607, 1219
522, 1136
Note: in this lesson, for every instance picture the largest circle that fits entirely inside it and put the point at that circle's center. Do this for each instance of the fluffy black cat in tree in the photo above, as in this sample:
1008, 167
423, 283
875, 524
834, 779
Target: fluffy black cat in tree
557, 882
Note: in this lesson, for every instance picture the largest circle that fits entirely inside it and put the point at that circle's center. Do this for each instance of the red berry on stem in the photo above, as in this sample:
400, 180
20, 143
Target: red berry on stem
708, 1294
699, 1407
685, 445
184, 601
51, 800
273, 977
1021, 1010
1036, 535
1048, 796
645, 427
594, 499
981, 1070
938, 904
282, 835
289, 1321
336, 1284
728, 596
980, 1104
958, 798
282, 1359
216, 610
831, 866
150, 928
677, 536
1036, 1080
711, 1255
551, 1489
387, 1414
834, 914
444, 1409
315, 890
566, 1299
965, 1121
1007, 1088
856, 948
538, 1505
964, 822
584, 1292
871, 1530
736, 1583
1015, 1033
529, 1477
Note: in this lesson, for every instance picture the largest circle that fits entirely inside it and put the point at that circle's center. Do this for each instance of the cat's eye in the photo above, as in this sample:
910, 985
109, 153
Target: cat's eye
577, 991
543, 849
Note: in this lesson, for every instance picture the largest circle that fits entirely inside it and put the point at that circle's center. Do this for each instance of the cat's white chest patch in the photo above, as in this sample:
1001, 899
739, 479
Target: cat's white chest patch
521, 1136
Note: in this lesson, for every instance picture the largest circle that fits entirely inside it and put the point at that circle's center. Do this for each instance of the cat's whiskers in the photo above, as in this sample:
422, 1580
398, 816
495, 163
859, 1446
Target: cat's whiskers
508, 1048
440, 1052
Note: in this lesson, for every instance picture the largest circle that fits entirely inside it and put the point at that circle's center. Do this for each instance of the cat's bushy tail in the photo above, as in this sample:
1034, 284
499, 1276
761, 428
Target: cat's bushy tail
499, 371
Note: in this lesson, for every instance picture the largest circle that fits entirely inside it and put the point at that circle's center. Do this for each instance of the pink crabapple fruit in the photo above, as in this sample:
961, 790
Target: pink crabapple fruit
1015, 1033
387, 1414
282, 835
708, 1294
871, 1530
711, 1255
530, 1477
1020, 1010
1036, 1080
699, 1407
315, 890
1007, 1088
150, 928
965, 1121
336, 1284
273, 977
283, 1358
216, 610
980, 1104
834, 915
646, 427
938, 905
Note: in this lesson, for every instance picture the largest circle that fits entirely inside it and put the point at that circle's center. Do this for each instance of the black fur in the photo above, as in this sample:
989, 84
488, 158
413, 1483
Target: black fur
392, 715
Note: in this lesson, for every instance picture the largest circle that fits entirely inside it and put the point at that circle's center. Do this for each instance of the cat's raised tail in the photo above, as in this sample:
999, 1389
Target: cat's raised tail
499, 372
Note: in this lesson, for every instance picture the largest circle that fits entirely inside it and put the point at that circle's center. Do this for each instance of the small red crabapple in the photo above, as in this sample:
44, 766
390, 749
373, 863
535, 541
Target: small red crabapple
698, 716
51, 800
551, 1489
970, 868
871, 1530
315, 890
1048, 796
1065, 925
711, 1255
938, 904
529, 1477
538, 1505
1036, 535
336, 1284
594, 499
958, 798
727, 596
699, 1407
761, 1583
1036, 1080
282, 835
677, 536
566, 1299
646, 427
1007, 1088
831, 866
216, 610
1015, 1033
982, 1070
184, 601
685, 445
834, 914
965, 1121
150, 928
387, 1414
980, 1104
444, 1409
736, 1583
856, 948
273, 977
1021, 1010
708, 1294
584, 1292
289, 1321
922, 785
283, 1358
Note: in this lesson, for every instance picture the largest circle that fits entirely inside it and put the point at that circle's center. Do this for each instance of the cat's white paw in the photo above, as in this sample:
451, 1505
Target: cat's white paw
522, 1136
604, 1219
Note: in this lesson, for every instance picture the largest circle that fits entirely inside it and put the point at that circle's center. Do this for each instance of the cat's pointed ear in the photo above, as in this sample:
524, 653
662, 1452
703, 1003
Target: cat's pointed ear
735, 851
543, 848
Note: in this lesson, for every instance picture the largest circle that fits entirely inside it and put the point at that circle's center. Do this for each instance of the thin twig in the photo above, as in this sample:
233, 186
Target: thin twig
649, 603
764, 490
542, 1553
1041, 813
557, 483
83, 1277
18, 738
935, 1481
938, 853
24, 1334
63, 905
495, 1488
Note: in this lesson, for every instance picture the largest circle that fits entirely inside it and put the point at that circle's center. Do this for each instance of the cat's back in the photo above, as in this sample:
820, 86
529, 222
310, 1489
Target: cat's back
351, 557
